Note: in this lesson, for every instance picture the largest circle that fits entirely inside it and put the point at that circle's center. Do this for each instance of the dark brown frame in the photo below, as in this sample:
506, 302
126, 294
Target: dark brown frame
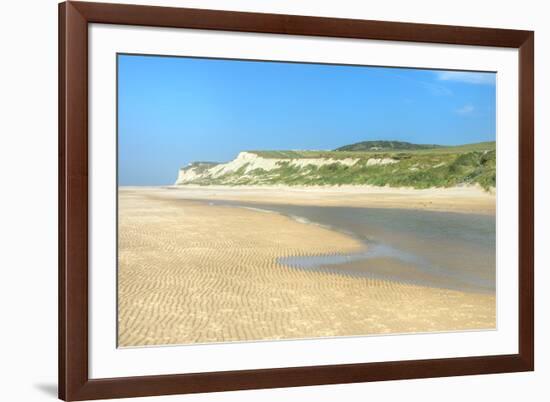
74, 383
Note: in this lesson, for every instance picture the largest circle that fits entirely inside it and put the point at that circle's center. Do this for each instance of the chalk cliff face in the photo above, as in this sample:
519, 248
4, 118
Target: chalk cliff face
251, 168
194, 171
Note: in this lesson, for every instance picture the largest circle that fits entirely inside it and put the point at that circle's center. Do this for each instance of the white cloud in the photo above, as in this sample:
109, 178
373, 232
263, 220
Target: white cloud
436, 90
433, 88
467, 77
465, 110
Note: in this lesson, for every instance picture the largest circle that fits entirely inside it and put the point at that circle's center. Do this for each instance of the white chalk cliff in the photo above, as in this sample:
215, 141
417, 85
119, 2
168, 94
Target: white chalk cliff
247, 162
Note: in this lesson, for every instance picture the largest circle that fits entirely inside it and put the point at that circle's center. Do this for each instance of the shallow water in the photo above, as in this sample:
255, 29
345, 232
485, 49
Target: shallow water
438, 249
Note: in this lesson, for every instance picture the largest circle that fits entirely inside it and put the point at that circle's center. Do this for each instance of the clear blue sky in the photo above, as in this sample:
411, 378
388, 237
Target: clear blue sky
173, 111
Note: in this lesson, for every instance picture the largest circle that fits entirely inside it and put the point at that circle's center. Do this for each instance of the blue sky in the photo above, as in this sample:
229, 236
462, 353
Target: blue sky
173, 111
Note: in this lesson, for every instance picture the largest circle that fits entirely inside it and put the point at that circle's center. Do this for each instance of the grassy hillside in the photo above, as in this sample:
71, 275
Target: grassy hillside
340, 153
385, 146
416, 167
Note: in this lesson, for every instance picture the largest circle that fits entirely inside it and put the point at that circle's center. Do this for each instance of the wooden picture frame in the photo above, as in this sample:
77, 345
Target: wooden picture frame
74, 381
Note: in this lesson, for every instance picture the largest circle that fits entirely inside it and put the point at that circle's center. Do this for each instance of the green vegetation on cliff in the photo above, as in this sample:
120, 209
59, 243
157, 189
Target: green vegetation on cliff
385, 146
397, 165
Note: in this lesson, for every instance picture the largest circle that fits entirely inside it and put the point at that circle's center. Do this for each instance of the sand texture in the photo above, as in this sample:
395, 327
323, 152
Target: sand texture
190, 272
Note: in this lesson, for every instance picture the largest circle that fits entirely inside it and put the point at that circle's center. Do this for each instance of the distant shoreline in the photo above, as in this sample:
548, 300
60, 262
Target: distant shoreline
463, 199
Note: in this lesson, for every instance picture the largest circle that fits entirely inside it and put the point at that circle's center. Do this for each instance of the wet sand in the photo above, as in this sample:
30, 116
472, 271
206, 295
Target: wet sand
190, 272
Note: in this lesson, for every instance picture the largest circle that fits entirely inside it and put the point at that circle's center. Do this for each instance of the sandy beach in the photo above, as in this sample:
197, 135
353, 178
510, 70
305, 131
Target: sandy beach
190, 272
467, 199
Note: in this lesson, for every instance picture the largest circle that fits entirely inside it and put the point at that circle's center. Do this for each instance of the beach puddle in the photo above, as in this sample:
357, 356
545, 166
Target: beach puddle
385, 263
370, 252
437, 249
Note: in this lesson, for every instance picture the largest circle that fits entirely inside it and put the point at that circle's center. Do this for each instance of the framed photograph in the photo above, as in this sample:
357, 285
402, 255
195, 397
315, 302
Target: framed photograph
260, 200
